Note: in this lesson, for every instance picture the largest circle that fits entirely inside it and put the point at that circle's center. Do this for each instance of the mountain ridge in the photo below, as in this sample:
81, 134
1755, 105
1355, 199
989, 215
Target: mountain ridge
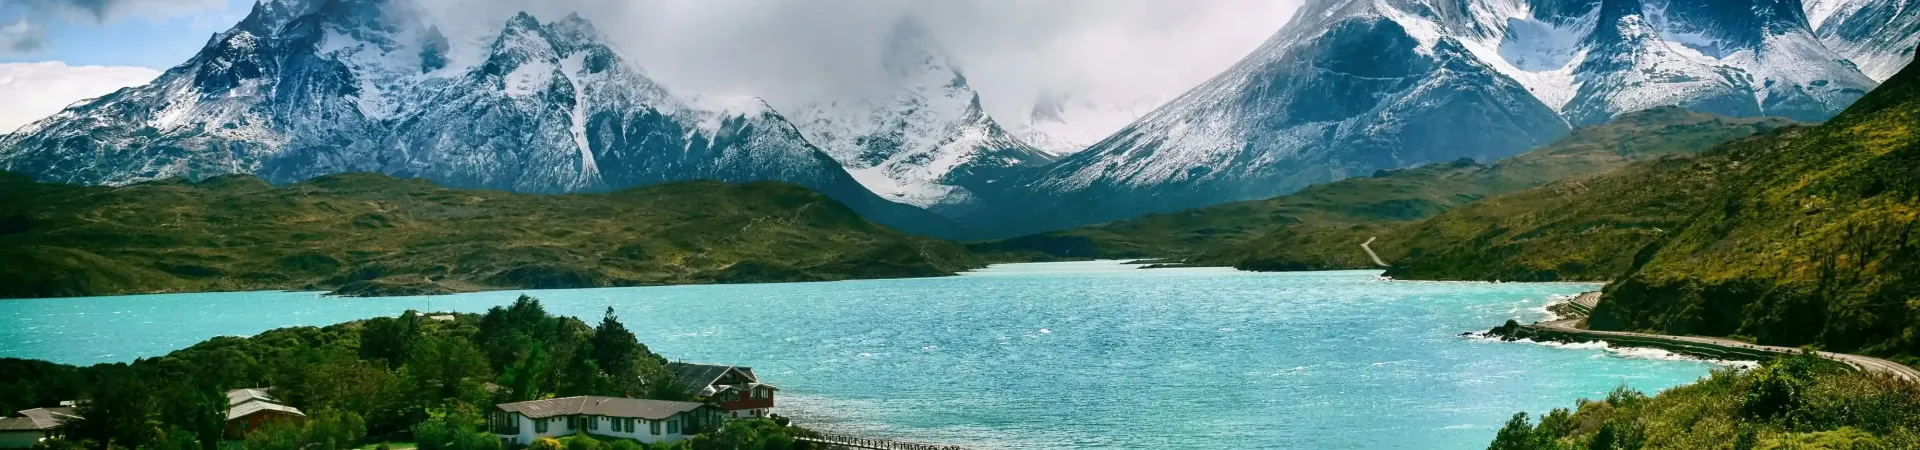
1437, 80
302, 89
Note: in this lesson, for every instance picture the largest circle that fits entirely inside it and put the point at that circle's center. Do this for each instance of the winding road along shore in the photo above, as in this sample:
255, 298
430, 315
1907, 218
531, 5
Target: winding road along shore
1706, 346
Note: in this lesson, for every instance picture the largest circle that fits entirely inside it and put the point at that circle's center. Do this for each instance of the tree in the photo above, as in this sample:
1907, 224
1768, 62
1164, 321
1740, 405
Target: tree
1519, 434
175, 439
615, 349
390, 340
475, 440
434, 434
119, 413
197, 414
324, 430
332, 429
446, 372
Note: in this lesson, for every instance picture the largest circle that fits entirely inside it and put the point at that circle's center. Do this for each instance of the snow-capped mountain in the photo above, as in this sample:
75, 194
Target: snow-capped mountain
1877, 35
1063, 125
925, 143
1349, 87
304, 88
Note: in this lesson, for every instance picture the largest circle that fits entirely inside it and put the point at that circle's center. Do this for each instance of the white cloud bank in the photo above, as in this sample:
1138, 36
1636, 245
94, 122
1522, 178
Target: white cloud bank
1123, 55
33, 91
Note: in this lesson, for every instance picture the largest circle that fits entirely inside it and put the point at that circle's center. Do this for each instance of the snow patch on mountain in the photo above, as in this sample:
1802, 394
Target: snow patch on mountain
926, 142
297, 90
1879, 36
1062, 125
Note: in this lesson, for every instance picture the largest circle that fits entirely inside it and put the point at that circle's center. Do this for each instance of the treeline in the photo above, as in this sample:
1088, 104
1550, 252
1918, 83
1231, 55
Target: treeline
1794, 402
414, 377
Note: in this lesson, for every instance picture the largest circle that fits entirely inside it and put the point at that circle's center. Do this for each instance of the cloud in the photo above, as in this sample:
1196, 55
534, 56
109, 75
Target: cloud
1103, 52
27, 20
105, 10
21, 37
37, 90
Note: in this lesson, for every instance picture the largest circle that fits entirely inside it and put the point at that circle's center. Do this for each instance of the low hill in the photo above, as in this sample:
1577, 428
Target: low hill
1795, 402
1584, 229
1803, 236
1816, 242
369, 234
1314, 228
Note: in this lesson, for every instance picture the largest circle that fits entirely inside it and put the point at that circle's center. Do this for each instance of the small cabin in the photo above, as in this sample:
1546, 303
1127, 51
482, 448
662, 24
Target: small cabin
250, 409
736, 389
35, 425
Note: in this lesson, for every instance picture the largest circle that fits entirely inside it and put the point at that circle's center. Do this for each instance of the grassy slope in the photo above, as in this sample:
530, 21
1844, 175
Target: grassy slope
1315, 228
1800, 403
1586, 229
1815, 243
1330, 240
372, 234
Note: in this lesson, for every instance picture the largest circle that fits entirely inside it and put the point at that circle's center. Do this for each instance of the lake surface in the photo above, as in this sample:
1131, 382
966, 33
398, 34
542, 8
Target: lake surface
1062, 355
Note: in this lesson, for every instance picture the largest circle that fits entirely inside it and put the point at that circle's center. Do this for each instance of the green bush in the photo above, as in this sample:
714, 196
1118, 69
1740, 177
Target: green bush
1793, 402
583, 442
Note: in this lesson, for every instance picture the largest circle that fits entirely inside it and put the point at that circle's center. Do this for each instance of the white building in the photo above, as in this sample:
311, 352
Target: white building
647, 421
34, 425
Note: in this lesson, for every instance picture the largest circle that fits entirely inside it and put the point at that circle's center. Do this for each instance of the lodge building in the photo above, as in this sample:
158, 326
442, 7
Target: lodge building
647, 421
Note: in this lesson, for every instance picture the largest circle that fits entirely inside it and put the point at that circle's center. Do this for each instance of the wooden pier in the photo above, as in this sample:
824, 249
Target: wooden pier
837, 441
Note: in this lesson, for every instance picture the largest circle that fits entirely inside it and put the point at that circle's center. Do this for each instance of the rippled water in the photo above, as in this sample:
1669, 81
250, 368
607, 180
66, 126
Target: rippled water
1084, 355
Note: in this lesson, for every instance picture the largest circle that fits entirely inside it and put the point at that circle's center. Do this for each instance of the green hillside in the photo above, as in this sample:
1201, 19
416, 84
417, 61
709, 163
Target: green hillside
1584, 229
367, 234
1813, 243
1321, 227
1793, 403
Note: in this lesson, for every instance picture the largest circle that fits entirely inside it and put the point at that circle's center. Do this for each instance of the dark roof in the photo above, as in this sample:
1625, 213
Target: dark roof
237, 396
600, 406
256, 407
18, 424
696, 377
246, 402
46, 418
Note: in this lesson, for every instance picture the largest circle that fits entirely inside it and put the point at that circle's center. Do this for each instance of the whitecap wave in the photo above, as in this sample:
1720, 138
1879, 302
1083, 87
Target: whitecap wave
1609, 350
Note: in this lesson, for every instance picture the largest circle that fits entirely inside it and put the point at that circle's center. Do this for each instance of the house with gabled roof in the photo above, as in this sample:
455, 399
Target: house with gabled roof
736, 389
35, 425
250, 409
647, 421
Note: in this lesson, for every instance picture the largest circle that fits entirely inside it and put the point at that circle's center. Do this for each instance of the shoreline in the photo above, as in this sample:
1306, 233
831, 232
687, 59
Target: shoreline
1567, 330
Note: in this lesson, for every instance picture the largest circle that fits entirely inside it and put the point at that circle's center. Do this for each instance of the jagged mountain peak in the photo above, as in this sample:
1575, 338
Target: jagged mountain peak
307, 88
924, 140
1048, 107
1351, 86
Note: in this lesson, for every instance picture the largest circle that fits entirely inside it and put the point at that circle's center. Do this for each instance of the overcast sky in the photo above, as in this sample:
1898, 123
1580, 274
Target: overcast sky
1104, 52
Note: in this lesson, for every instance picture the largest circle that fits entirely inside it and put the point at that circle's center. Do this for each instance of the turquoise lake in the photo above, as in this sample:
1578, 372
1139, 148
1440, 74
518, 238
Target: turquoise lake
1059, 355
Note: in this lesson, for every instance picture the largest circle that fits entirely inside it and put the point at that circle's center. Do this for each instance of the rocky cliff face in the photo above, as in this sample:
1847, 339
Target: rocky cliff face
1876, 35
304, 88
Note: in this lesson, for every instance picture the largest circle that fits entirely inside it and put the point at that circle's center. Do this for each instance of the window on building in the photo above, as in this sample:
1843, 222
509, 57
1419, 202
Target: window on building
540, 426
593, 423
653, 426
673, 427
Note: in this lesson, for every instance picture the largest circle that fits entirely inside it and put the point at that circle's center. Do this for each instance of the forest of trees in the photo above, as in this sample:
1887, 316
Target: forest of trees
1798, 402
409, 378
